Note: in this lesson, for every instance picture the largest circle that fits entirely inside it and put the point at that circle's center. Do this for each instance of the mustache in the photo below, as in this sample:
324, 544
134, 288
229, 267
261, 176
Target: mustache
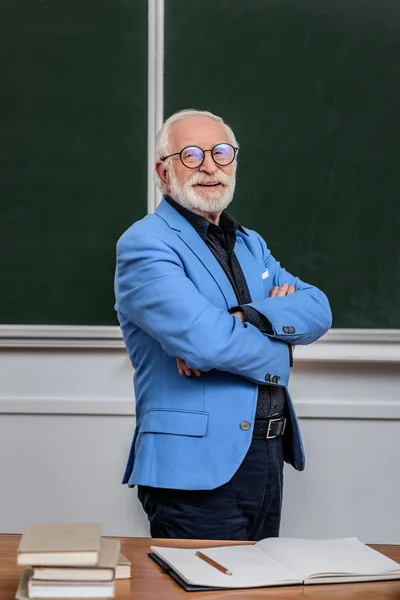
220, 177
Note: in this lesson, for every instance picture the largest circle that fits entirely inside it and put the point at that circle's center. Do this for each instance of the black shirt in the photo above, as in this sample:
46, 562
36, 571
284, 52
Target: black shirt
221, 241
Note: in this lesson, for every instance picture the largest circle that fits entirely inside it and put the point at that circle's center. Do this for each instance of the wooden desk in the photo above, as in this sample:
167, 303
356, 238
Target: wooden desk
150, 583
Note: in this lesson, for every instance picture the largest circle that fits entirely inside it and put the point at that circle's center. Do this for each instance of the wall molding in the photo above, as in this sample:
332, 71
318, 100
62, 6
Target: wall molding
125, 406
338, 345
61, 336
72, 405
353, 345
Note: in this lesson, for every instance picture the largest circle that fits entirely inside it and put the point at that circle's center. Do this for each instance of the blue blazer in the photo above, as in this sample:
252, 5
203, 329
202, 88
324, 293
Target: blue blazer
172, 299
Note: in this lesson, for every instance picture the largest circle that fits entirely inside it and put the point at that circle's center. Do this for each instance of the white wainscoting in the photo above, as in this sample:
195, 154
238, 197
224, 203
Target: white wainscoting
67, 417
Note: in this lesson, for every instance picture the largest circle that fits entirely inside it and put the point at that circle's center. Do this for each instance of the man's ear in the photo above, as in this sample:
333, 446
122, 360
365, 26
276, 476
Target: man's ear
162, 172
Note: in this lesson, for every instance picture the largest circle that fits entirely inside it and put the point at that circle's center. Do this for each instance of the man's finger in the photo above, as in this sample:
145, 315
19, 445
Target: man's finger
283, 290
274, 291
187, 371
182, 367
178, 364
291, 289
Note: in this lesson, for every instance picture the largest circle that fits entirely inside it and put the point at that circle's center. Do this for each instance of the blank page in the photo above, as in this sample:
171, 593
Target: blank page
347, 556
249, 567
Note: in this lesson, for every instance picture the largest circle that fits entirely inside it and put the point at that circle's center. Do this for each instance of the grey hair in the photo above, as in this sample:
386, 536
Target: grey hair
163, 147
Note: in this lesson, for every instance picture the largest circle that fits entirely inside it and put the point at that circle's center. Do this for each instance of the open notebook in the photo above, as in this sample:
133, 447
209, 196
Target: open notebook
279, 561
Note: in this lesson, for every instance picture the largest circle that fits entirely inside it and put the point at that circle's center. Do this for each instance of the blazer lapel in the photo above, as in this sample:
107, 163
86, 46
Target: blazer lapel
250, 269
194, 242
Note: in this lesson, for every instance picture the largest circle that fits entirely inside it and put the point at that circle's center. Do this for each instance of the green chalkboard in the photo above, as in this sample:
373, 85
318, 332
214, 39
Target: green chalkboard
73, 153
312, 90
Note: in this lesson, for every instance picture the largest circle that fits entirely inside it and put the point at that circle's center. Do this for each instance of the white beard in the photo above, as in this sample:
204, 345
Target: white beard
214, 201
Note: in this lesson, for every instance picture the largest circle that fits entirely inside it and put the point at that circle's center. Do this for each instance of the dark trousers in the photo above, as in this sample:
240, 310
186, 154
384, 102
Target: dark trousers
248, 507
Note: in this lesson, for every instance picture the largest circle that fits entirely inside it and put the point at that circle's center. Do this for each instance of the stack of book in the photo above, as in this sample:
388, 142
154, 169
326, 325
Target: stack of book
69, 561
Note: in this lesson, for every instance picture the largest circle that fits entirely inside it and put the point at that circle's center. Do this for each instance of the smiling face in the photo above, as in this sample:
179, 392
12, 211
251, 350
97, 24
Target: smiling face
209, 188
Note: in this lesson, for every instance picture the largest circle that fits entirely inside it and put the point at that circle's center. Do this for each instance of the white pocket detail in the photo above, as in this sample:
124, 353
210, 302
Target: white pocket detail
265, 274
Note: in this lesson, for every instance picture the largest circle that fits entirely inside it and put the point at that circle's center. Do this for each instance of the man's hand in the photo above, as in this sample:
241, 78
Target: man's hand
239, 314
183, 369
284, 290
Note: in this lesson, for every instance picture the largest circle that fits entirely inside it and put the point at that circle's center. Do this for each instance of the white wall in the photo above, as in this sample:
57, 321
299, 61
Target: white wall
67, 416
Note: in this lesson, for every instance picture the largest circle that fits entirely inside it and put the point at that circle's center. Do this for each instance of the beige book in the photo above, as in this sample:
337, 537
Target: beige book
70, 589
123, 570
280, 561
60, 544
22, 590
103, 571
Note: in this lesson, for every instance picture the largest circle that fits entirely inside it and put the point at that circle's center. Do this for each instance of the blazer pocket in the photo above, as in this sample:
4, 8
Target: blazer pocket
176, 422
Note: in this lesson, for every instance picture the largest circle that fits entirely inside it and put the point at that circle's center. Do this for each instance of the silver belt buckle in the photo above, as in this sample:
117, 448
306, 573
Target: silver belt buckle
272, 437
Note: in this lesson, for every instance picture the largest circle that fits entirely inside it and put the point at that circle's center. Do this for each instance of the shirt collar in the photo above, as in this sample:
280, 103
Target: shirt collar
226, 222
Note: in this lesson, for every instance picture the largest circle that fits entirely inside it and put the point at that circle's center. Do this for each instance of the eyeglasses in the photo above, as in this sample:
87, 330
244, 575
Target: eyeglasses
193, 156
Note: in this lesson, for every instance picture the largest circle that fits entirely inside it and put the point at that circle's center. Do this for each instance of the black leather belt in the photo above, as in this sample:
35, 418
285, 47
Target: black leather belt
269, 428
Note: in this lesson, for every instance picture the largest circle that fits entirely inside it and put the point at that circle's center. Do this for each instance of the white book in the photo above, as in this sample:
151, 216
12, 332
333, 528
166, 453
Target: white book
281, 561
60, 544
105, 570
123, 570
24, 592
98, 589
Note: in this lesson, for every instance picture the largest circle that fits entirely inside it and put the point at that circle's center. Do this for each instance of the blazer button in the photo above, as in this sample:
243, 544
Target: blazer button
244, 425
277, 379
293, 330
273, 379
268, 378
285, 329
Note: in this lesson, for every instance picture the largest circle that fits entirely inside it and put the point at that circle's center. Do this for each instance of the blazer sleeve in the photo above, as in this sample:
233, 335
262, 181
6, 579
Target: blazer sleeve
300, 318
153, 292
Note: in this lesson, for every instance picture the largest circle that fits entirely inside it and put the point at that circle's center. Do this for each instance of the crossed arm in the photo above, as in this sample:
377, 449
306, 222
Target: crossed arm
280, 292
154, 292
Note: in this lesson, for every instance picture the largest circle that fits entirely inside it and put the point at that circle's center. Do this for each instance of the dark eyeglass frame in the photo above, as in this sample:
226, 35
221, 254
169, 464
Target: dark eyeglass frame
235, 151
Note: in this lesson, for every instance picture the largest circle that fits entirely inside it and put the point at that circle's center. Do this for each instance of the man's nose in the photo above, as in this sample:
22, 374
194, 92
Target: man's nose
208, 165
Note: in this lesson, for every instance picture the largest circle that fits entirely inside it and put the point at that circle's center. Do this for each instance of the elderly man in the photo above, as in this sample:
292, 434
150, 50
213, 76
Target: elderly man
209, 319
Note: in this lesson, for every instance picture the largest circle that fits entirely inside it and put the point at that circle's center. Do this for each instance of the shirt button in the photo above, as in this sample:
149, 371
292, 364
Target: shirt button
244, 425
